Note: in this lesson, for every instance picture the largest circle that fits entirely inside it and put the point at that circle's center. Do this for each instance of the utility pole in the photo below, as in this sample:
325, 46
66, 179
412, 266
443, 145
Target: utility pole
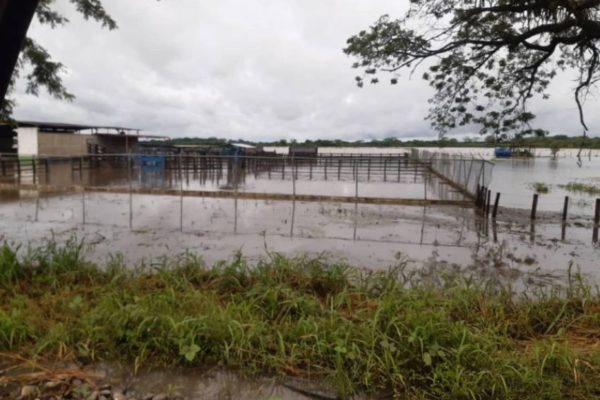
15, 17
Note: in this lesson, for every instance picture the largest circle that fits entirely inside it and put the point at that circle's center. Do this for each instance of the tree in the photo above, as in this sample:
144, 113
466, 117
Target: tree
42, 70
486, 59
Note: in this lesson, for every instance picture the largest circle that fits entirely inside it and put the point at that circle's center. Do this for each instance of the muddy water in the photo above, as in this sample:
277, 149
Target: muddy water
514, 178
372, 236
396, 177
206, 385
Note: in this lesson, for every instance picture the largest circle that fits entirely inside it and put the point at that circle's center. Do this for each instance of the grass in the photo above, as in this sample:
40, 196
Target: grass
576, 187
541, 187
359, 331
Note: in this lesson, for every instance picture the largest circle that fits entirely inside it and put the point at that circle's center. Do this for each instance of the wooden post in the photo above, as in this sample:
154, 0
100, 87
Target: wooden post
565, 209
19, 168
596, 221
425, 175
310, 169
489, 200
496, 203
326, 160
83, 204
339, 169
37, 205
385, 169
369, 170
130, 192
399, 163
235, 210
181, 193
534, 206
34, 169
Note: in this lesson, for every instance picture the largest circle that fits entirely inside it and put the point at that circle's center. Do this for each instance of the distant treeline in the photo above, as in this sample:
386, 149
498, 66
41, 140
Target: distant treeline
556, 141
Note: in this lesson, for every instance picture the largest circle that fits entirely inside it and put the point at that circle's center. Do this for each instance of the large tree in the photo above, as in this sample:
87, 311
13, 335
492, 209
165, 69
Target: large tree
486, 59
41, 71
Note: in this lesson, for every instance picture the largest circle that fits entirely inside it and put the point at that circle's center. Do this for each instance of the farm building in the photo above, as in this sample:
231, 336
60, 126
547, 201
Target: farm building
303, 151
59, 139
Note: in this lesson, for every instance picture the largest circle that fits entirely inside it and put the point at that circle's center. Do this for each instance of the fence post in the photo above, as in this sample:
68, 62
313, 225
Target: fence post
596, 221
355, 201
425, 176
385, 162
130, 192
496, 203
37, 205
181, 192
488, 201
235, 210
2, 166
83, 204
565, 209
534, 206
34, 169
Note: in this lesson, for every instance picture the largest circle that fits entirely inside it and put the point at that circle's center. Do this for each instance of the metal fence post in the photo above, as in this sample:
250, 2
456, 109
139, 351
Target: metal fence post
181, 193
129, 166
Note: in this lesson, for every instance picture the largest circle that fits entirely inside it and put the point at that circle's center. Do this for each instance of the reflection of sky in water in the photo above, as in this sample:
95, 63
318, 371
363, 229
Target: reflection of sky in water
514, 179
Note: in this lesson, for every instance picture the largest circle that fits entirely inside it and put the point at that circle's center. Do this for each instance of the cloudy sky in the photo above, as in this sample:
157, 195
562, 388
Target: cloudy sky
251, 69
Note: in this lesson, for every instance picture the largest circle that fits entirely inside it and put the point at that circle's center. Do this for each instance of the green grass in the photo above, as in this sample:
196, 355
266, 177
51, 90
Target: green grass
576, 187
541, 187
359, 331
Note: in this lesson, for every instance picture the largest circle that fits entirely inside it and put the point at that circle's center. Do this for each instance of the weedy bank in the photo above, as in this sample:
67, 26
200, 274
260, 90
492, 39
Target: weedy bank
357, 331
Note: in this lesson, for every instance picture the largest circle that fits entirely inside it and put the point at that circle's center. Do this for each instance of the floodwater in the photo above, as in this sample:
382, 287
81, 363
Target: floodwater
431, 238
145, 227
515, 179
390, 177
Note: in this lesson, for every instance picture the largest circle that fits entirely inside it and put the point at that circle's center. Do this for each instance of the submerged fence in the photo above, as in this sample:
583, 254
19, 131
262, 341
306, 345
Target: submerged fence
385, 178
467, 174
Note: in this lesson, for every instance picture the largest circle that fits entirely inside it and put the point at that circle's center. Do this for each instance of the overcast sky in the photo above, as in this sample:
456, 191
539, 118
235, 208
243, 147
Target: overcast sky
250, 69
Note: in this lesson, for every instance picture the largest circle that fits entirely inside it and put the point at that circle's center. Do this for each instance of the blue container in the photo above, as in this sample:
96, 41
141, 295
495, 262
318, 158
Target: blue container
152, 163
503, 152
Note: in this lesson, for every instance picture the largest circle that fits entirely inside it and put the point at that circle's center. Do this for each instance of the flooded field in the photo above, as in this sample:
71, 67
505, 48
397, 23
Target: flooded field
351, 218
145, 226
372, 236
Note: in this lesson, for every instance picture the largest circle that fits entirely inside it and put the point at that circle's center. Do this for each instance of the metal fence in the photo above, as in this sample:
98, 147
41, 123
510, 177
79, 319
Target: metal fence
468, 174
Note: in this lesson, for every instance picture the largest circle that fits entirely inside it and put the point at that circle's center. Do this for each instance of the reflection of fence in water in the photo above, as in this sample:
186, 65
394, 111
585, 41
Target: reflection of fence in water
169, 171
468, 174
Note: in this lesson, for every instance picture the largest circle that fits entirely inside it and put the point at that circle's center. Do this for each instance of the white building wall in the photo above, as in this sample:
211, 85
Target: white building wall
28, 141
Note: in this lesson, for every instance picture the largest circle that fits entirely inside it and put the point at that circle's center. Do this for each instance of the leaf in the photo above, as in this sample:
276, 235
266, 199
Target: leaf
427, 359
190, 352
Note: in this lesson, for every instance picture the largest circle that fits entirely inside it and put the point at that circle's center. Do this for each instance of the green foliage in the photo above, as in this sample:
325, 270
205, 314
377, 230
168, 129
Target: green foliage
557, 141
578, 187
486, 59
360, 331
46, 73
541, 187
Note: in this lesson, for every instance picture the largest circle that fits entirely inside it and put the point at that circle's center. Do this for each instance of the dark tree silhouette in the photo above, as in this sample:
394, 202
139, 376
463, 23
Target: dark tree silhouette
42, 70
485, 59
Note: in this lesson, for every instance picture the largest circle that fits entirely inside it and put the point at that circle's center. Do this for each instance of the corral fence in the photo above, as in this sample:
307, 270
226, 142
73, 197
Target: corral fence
132, 168
468, 174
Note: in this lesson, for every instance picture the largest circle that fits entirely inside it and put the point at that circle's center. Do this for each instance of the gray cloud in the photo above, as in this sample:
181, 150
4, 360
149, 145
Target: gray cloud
254, 69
